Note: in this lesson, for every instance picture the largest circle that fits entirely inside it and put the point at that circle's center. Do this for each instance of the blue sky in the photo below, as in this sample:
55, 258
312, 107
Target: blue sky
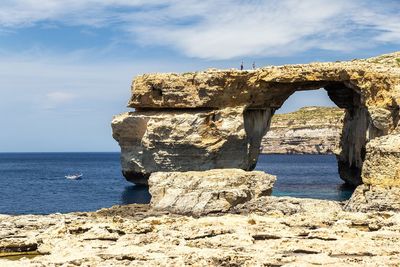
66, 66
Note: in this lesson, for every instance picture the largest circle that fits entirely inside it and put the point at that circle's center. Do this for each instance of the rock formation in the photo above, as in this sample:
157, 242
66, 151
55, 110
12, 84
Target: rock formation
197, 193
381, 177
217, 118
183, 140
267, 231
310, 130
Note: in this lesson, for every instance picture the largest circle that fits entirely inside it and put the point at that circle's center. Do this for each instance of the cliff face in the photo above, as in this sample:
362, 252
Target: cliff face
310, 130
183, 140
216, 119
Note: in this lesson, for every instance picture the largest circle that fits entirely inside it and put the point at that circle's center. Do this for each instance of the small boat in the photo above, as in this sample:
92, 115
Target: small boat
74, 176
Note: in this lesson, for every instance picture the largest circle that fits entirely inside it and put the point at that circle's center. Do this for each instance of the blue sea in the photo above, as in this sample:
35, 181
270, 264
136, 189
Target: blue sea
307, 176
34, 183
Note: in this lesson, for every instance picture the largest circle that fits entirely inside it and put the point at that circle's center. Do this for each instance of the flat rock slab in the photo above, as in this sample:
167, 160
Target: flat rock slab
292, 232
198, 193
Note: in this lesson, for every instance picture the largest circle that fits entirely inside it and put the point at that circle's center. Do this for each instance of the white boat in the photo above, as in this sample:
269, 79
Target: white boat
74, 176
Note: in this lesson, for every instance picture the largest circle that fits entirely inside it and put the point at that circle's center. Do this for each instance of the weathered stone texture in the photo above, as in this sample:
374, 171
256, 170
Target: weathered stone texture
382, 162
374, 198
380, 175
216, 118
205, 192
264, 87
188, 140
285, 232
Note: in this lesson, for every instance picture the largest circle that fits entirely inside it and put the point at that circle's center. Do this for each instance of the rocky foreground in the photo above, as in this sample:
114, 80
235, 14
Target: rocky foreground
211, 218
268, 232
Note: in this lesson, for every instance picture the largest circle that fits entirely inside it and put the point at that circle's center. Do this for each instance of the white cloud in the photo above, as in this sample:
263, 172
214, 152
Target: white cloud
269, 28
226, 28
57, 98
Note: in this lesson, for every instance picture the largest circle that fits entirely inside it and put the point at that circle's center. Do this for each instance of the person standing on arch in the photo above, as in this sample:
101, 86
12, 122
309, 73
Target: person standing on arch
241, 66
254, 65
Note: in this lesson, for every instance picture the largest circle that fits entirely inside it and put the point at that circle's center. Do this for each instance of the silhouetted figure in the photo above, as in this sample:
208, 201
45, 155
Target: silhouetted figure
241, 66
254, 65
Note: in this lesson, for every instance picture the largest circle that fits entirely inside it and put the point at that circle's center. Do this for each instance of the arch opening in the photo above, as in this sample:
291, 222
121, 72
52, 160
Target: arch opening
299, 148
354, 134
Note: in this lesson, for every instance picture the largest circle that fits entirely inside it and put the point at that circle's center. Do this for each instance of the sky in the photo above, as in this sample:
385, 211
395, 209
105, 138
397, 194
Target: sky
66, 65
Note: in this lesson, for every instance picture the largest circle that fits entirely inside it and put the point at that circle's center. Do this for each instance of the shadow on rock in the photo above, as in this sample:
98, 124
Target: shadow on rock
136, 194
345, 191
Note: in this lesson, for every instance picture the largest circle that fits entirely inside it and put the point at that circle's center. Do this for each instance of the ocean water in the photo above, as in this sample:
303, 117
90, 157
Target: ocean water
310, 176
34, 183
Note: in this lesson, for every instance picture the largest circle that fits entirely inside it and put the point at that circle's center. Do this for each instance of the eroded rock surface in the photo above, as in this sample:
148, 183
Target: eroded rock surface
205, 192
382, 162
291, 232
268, 86
217, 118
374, 198
381, 177
188, 140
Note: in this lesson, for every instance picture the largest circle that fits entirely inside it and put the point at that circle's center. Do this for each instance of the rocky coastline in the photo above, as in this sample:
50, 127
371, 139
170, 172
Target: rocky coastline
222, 217
194, 139
268, 231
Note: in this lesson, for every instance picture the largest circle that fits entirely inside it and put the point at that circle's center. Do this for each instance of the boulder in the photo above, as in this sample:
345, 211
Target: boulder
382, 161
374, 198
200, 193
381, 177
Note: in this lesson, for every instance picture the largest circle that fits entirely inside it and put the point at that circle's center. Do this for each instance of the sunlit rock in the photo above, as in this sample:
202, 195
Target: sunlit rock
216, 119
267, 231
184, 140
199, 193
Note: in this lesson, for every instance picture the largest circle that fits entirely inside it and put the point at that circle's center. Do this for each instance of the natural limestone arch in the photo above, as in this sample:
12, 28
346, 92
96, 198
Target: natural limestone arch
216, 119
357, 127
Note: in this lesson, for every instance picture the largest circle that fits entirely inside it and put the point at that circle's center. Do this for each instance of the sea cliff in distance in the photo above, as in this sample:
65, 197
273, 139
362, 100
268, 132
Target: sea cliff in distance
309, 130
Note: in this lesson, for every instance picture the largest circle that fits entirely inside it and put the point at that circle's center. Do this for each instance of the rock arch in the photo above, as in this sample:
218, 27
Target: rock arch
216, 118
356, 129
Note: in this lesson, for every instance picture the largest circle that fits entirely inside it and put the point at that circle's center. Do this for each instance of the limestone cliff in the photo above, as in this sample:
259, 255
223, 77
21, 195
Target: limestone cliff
310, 130
216, 118
183, 140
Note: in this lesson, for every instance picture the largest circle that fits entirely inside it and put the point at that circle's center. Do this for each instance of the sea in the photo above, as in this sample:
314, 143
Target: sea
35, 183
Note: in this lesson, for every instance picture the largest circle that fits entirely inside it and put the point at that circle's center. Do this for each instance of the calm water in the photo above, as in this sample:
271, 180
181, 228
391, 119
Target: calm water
311, 176
35, 182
